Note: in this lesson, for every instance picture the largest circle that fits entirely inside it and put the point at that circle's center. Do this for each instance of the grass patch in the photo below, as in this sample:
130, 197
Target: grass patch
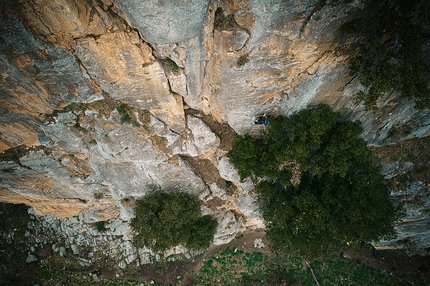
125, 111
236, 267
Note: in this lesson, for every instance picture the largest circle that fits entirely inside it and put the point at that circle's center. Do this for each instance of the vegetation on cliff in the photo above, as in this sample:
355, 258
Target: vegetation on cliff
390, 52
164, 220
320, 189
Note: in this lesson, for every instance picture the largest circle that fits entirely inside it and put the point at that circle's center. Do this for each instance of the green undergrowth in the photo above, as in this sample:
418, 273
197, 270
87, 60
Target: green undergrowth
236, 267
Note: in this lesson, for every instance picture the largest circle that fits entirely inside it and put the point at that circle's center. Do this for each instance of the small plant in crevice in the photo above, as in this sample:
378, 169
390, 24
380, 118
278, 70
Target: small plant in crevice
100, 226
125, 111
80, 128
55, 113
230, 188
242, 60
75, 107
172, 65
228, 184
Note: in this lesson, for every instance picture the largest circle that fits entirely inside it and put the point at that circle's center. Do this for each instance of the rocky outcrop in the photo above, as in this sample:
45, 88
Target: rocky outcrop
413, 231
101, 100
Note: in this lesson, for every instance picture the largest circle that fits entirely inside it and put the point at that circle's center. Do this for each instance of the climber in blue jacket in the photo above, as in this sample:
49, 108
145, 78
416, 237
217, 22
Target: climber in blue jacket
261, 119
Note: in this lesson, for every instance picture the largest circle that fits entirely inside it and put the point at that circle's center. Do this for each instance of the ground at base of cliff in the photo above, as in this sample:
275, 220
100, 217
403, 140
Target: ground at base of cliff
246, 260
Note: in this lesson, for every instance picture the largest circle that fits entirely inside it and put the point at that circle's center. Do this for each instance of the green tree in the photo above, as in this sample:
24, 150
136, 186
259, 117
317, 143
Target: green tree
320, 188
244, 154
164, 220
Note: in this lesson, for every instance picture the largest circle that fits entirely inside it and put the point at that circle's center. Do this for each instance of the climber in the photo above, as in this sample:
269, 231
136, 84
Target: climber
261, 119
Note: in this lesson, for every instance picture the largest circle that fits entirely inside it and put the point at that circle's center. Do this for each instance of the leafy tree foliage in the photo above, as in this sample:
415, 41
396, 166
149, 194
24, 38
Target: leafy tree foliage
320, 188
164, 220
389, 55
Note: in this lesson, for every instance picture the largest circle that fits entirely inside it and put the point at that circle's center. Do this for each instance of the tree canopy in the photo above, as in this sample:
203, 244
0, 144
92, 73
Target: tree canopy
167, 219
319, 188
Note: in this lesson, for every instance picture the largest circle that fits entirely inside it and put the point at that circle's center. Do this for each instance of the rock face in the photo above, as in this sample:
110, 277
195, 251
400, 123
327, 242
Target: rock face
96, 98
413, 231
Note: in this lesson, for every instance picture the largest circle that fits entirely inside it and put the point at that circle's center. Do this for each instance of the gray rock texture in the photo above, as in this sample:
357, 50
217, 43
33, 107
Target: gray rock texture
413, 231
204, 138
166, 22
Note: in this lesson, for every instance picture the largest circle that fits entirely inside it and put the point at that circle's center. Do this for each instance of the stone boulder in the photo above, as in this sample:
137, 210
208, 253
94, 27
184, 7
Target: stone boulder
227, 171
228, 227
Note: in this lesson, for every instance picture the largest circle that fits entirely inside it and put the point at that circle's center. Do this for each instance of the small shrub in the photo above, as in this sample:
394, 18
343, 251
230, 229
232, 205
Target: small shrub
100, 226
164, 220
242, 60
123, 111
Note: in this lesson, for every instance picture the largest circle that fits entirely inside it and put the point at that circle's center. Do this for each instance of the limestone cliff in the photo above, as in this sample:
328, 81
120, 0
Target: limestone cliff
101, 99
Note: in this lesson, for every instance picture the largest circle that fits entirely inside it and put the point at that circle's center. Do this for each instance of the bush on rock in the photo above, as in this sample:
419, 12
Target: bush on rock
167, 219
